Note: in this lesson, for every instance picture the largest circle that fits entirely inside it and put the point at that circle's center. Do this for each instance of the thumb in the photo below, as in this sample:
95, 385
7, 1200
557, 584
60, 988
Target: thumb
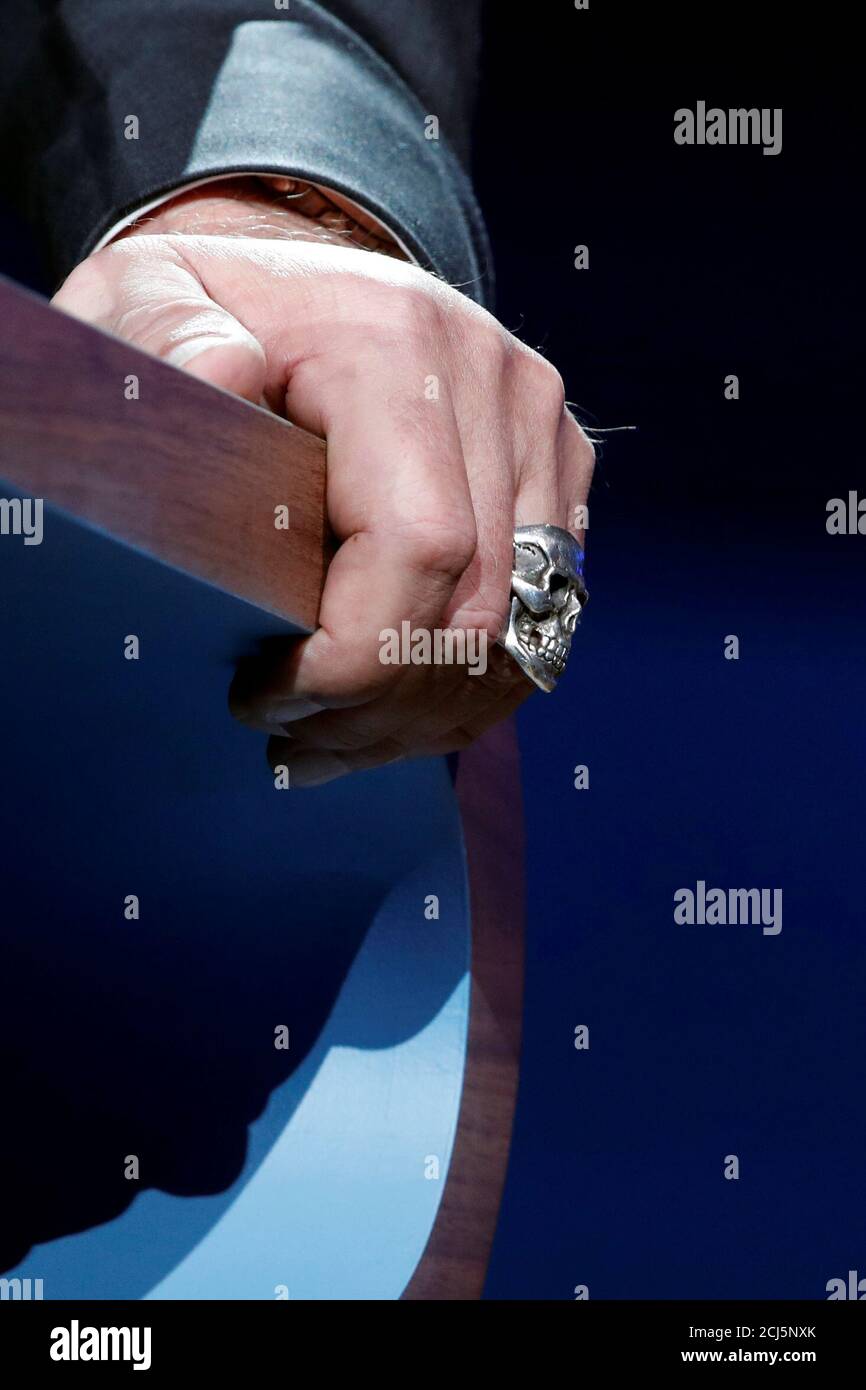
146, 296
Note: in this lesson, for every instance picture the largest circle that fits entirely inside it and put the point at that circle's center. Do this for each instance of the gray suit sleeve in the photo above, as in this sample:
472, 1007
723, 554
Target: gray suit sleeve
105, 104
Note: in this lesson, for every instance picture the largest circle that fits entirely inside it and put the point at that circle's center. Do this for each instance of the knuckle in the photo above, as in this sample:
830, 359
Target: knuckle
490, 346
581, 448
407, 313
445, 549
539, 390
586, 449
548, 387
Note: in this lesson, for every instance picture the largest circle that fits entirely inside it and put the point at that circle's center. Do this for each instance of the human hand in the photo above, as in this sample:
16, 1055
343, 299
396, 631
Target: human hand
443, 433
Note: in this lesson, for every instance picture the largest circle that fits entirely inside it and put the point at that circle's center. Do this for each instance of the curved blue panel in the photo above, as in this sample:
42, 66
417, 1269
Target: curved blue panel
314, 1172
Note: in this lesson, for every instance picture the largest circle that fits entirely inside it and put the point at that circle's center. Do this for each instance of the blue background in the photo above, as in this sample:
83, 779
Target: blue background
707, 520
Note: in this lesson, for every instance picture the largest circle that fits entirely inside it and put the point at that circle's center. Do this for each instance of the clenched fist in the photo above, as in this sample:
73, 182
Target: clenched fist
443, 433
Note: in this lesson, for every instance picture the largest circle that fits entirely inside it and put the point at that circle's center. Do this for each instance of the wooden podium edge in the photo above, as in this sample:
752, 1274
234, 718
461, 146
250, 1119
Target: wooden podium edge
221, 473
455, 1260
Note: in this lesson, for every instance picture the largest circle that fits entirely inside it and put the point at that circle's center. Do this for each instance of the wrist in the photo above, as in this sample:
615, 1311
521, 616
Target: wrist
265, 206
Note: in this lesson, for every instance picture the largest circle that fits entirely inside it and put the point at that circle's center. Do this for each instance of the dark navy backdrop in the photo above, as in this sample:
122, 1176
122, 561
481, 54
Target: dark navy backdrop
708, 520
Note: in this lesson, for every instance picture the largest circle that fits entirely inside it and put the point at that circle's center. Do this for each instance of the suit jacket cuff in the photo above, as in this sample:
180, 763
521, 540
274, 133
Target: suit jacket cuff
301, 96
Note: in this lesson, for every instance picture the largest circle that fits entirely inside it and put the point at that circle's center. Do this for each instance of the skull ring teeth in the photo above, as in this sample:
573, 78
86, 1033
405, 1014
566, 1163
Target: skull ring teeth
547, 597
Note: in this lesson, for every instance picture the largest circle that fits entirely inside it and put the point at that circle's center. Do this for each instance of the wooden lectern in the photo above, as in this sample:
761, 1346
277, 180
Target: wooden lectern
246, 1058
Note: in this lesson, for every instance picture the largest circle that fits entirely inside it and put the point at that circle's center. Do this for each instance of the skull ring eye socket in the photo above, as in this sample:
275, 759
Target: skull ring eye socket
530, 560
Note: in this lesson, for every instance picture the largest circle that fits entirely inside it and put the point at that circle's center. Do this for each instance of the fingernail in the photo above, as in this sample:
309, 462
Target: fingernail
291, 710
272, 718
